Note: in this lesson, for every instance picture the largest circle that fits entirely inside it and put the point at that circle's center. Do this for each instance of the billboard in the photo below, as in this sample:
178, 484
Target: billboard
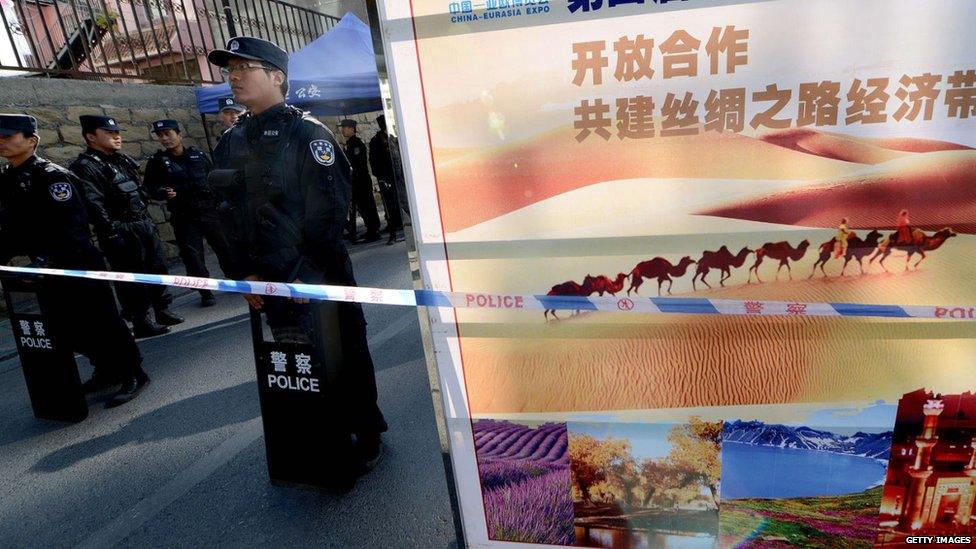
801, 151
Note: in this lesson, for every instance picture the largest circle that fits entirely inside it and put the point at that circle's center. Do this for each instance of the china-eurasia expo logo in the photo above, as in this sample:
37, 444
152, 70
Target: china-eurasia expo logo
467, 11
594, 5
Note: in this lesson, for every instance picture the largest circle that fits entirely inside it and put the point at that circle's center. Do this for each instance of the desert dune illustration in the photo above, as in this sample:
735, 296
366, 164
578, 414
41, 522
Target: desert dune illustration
717, 199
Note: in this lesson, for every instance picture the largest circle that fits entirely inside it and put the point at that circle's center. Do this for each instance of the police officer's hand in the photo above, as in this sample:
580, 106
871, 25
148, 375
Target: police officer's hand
254, 300
299, 299
170, 193
115, 240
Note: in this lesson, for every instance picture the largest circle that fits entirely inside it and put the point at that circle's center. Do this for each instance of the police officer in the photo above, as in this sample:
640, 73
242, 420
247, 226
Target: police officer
230, 110
178, 175
116, 203
291, 190
44, 217
362, 185
381, 160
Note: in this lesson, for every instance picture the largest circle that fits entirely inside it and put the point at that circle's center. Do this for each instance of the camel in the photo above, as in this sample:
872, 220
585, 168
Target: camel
602, 284
658, 268
856, 249
918, 244
722, 260
569, 287
781, 251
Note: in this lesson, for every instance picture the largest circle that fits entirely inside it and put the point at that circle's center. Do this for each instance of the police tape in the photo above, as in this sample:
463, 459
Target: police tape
469, 300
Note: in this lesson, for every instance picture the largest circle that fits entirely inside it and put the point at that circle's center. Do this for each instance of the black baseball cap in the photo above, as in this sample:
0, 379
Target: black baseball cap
165, 124
92, 122
228, 102
247, 47
11, 124
349, 123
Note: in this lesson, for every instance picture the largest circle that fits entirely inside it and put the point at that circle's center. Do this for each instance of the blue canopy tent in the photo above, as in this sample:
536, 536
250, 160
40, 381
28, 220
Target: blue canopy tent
333, 75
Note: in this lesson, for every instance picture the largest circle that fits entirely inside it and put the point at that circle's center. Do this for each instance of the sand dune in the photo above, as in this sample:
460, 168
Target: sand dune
605, 361
862, 150
711, 361
913, 144
829, 145
475, 188
936, 187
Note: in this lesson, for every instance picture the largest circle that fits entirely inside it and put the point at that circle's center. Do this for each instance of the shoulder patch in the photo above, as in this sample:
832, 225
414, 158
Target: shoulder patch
60, 192
322, 151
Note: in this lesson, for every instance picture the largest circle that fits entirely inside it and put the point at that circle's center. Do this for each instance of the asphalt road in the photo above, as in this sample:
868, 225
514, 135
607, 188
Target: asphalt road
184, 464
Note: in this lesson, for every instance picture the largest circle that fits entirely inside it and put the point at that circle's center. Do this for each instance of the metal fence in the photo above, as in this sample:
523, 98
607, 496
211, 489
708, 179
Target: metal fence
161, 41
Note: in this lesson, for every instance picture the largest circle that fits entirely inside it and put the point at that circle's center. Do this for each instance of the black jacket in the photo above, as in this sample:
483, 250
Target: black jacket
113, 191
290, 217
43, 216
379, 157
186, 174
358, 159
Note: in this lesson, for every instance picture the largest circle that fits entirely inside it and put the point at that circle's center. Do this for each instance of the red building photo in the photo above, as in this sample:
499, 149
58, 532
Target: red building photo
930, 488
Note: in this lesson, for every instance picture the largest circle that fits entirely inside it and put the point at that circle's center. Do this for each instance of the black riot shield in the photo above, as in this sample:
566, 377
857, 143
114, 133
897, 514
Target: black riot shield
48, 362
306, 438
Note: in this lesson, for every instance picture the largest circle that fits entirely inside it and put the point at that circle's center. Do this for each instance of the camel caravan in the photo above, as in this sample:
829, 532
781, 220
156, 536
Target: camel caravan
847, 245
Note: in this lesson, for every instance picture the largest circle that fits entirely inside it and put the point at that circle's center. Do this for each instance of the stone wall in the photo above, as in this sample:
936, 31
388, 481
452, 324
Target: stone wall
57, 104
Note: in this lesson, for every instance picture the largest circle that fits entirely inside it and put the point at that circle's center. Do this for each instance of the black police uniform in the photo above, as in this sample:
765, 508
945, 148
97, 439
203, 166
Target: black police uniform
116, 203
193, 211
286, 214
381, 161
362, 188
44, 217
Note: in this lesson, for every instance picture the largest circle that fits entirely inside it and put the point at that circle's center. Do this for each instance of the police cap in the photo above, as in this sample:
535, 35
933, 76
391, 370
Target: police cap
225, 103
246, 47
166, 124
347, 123
11, 124
92, 122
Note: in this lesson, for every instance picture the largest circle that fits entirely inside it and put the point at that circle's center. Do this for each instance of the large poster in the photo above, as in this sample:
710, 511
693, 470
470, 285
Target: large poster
803, 151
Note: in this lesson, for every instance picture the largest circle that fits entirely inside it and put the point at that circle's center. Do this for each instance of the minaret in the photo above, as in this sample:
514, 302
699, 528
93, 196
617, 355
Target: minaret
971, 468
922, 469
970, 471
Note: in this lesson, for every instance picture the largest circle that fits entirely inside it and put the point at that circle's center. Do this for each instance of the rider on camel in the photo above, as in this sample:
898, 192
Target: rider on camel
840, 249
904, 231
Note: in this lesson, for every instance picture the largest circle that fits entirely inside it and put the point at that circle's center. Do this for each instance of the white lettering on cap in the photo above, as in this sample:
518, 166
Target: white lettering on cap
234, 46
111, 122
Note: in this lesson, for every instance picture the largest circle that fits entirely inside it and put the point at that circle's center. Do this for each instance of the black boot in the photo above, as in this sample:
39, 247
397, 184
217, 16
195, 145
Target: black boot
166, 318
370, 448
147, 327
207, 298
130, 390
99, 382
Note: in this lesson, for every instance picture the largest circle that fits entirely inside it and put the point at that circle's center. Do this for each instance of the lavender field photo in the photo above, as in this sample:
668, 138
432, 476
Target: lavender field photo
525, 481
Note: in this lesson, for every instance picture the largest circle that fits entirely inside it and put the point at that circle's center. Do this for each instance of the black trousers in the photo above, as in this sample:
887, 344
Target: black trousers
140, 251
355, 382
391, 202
191, 228
85, 312
363, 201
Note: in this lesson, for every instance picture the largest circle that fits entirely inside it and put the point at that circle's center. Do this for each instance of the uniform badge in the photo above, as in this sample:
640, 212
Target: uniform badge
60, 191
322, 152
234, 46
